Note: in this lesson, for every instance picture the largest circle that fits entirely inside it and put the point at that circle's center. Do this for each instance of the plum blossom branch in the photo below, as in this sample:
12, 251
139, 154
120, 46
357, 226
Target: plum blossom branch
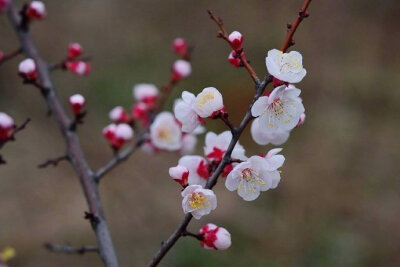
236, 132
223, 34
293, 27
67, 249
74, 150
15, 131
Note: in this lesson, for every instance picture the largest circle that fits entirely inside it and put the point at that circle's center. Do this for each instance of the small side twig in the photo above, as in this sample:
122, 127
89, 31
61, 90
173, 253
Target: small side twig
224, 35
197, 236
224, 117
67, 249
54, 162
11, 55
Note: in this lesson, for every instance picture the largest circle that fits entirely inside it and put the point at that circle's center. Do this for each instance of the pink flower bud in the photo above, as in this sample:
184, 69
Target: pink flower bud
302, 119
236, 40
36, 10
234, 59
74, 50
3, 5
146, 92
118, 135
118, 115
139, 112
79, 68
180, 46
27, 69
215, 237
1, 53
181, 69
180, 174
77, 103
6, 126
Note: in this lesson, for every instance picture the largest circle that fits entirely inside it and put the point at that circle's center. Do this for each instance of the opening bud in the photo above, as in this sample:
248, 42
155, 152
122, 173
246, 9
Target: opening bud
36, 10
236, 40
27, 69
77, 103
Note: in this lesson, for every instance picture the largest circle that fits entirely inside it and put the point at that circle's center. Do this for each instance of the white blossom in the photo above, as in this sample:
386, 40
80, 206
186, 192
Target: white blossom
198, 201
287, 67
208, 102
280, 110
165, 133
179, 174
262, 137
6, 121
185, 114
255, 175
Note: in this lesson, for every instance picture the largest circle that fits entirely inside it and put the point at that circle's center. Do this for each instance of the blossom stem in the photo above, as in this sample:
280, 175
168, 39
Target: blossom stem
293, 27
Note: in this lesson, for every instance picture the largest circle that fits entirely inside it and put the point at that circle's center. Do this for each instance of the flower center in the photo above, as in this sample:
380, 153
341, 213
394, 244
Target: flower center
290, 62
247, 174
164, 134
250, 179
277, 107
198, 201
205, 98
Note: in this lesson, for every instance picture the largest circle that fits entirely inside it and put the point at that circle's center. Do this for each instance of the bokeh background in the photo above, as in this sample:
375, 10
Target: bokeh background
338, 203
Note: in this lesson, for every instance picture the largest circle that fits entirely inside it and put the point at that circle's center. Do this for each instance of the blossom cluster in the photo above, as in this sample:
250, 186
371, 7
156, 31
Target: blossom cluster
276, 114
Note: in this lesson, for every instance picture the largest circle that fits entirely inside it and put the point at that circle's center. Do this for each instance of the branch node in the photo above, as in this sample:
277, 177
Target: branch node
54, 161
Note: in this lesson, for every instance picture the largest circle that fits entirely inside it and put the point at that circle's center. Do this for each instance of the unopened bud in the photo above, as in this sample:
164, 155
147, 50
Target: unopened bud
118, 115
36, 10
181, 69
77, 103
180, 46
74, 50
236, 40
180, 174
79, 68
27, 69
215, 237
234, 59
6, 126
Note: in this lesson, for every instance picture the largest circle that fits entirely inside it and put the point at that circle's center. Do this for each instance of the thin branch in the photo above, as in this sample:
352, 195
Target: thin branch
67, 249
293, 27
74, 150
118, 158
197, 236
225, 119
224, 35
53, 162
11, 55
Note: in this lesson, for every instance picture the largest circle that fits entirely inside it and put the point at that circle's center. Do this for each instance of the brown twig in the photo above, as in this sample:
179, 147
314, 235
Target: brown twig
224, 35
74, 150
67, 249
119, 157
11, 55
53, 162
293, 27
224, 117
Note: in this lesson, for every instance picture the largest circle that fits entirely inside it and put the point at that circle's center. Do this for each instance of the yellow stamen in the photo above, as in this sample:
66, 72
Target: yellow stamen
205, 98
198, 201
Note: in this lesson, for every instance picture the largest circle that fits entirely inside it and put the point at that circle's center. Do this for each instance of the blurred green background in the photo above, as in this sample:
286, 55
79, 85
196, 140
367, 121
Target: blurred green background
338, 203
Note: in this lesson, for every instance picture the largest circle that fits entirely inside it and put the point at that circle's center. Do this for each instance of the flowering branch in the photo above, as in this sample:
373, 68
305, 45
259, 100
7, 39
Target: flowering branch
74, 151
195, 197
67, 249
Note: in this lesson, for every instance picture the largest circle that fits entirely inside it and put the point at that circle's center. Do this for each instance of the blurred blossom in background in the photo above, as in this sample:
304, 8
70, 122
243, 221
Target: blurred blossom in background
338, 203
